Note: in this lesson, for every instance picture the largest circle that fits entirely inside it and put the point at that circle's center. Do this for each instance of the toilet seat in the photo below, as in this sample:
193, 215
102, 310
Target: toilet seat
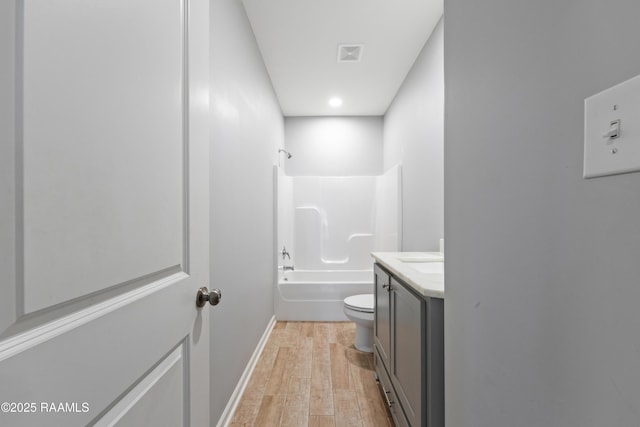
362, 303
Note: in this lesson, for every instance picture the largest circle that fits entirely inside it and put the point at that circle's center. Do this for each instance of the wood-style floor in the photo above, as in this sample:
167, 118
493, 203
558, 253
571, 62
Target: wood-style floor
310, 374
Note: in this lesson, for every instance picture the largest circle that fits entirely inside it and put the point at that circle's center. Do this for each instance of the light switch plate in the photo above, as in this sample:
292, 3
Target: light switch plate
610, 156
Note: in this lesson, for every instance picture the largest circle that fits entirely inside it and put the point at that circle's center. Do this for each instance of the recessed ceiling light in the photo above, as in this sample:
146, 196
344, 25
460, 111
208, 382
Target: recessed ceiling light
335, 102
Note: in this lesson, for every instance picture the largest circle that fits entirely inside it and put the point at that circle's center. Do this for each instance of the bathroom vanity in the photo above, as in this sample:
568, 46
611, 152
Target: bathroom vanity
409, 335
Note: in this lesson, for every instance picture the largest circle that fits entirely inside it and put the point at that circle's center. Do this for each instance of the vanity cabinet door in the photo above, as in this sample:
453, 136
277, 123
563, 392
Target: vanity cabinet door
408, 352
382, 315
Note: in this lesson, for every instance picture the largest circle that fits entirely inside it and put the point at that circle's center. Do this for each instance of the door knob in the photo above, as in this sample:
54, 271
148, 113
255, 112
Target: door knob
214, 296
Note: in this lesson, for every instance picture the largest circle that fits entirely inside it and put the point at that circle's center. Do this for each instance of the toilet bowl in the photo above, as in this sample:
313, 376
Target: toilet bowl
359, 309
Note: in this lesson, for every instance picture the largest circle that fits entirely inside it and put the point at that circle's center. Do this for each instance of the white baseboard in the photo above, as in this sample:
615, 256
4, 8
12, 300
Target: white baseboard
234, 400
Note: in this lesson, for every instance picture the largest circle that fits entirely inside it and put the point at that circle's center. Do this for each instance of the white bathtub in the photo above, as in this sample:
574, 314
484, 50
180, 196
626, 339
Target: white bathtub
318, 295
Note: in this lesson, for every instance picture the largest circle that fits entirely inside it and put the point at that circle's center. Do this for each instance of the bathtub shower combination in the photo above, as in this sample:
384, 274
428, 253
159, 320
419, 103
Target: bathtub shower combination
327, 228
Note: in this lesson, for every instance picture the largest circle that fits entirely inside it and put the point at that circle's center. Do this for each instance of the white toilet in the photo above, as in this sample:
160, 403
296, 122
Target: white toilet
359, 309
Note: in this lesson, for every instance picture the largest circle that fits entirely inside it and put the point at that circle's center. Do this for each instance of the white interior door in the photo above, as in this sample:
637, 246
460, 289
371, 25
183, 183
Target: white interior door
103, 212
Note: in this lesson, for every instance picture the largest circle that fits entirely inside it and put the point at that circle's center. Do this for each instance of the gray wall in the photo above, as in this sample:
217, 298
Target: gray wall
543, 267
413, 136
334, 146
246, 131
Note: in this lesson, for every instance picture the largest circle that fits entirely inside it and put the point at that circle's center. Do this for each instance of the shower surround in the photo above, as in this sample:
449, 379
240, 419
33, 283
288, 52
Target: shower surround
330, 225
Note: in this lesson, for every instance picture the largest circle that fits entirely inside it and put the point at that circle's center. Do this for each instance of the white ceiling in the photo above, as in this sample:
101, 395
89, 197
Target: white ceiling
299, 43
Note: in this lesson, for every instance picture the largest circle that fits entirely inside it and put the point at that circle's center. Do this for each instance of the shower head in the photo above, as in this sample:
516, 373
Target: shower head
285, 152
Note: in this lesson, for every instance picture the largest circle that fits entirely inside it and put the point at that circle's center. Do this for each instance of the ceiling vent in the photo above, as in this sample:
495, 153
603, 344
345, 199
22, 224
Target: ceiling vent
350, 52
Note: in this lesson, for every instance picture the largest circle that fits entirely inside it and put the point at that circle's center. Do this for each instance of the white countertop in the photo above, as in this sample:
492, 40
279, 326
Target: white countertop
406, 266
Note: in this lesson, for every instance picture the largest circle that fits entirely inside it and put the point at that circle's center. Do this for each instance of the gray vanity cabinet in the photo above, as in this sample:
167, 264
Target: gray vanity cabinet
409, 351
382, 314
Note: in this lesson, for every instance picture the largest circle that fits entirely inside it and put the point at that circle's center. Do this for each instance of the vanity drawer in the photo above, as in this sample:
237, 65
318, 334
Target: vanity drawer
388, 393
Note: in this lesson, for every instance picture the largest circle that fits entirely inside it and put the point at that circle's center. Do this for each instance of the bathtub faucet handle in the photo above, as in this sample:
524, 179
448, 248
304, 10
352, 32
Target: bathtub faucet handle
285, 253
287, 268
